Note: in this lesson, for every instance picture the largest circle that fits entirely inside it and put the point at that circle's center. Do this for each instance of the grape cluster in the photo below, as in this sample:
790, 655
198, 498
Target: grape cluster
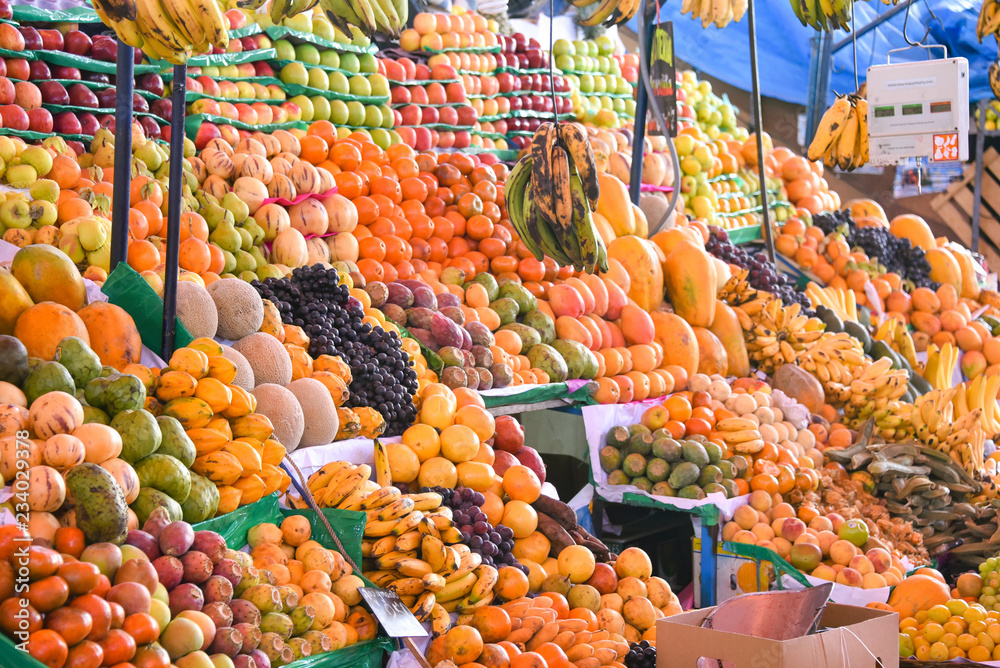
494, 544
383, 375
895, 254
762, 274
989, 571
640, 655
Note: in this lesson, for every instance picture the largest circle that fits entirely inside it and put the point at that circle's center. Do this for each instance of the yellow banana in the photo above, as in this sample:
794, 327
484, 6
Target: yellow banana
383, 476
484, 585
829, 128
383, 497
413, 567
407, 523
457, 589
423, 607
398, 508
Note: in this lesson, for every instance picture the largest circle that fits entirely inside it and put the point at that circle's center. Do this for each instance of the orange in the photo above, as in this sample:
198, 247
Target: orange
528, 660
478, 419
520, 517
466, 397
314, 149
558, 603
521, 483
586, 615
459, 443
554, 655
492, 507
511, 583
764, 481
437, 411
493, 623
463, 644
679, 407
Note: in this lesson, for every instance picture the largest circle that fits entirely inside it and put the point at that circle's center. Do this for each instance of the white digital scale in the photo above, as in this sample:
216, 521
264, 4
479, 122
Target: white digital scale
918, 110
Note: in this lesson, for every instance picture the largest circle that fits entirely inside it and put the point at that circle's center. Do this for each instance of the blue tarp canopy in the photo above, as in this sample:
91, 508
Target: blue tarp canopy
784, 45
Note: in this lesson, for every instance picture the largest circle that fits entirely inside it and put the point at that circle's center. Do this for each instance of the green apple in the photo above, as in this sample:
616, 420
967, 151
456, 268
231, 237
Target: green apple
307, 53
321, 108
373, 116
319, 79
581, 63
379, 85
349, 63
368, 63
605, 46
355, 113
600, 85
301, 22
586, 83
329, 58
229, 72
630, 107
306, 105
563, 47
284, 50
339, 83
210, 71
294, 73
580, 47
245, 91
395, 138
565, 62
382, 138
338, 112
592, 49
618, 104
603, 64
388, 120
622, 86
360, 86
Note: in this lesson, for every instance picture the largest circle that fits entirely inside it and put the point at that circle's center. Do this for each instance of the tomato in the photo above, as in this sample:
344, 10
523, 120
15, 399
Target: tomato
151, 656
118, 647
87, 654
9, 540
42, 562
70, 540
117, 615
103, 586
144, 628
10, 625
48, 647
81, 577
48, 594
7, 576
100, 613
72, 624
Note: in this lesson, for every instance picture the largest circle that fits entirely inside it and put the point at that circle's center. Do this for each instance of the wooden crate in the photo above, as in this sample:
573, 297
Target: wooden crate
955, 206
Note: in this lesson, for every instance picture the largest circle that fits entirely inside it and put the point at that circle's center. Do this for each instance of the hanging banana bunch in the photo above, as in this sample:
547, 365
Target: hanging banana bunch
841, 140
824, 15
715, 12
605, 12
551, 195
169, 30
988, 22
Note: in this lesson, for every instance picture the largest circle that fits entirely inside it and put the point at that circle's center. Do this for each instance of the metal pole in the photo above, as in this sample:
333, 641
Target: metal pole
812, 92
758, 116
977, 205
124, 87
818, 103
174, 210
646, 24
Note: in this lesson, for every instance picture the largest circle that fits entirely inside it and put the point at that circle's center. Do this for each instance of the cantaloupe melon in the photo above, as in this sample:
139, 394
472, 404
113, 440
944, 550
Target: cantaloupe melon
239, 307
196, 310
244, 372
318, 411
283, 409
267, 357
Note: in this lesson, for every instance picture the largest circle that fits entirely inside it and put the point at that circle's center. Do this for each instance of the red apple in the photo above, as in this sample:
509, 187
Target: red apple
163, 108
447, 116
454, 92
139, 103
40, 120
151, 127
64, 123
229, 134
237, 19
430, 115
104, 48
422, 139
32, 40
418, 95
53, 92
421, 72
407, 135
77, 43
467, 116
63, 72
462, 139
38, 70
446, 139
6, 91
294, 111
410, 115
152, 83
399, 95
88, 123
262, 69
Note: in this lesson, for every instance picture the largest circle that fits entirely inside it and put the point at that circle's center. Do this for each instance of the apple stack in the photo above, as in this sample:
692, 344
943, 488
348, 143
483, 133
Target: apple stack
64, 84
525, 88
603, 96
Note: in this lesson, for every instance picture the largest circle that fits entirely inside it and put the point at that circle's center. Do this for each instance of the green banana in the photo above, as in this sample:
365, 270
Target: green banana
583, 224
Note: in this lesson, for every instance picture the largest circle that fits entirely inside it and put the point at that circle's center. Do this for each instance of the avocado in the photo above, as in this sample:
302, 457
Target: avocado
920, 384
641, 443
667, 449
611, 458
741, 465
691, 492
695, 453
858, 331
617, 437
634, 465
662, 489
657, 470
644, 484
618, 478
711, 474
831, 320
683, 474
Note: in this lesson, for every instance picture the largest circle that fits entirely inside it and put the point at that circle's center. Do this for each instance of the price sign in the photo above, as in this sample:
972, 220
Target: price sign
945, 147
663, 75
392, 613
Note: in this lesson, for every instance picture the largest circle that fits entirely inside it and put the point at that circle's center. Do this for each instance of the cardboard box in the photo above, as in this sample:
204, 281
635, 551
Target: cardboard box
849, 637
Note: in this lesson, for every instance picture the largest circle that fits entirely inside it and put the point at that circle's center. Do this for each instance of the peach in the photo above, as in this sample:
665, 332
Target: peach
746, 517
744, 536
861, 564
881, 559
763, 533
806, 538
836, 519
783, 510
826, 539
837, 567
873, 581
792, 528
729, 530
824, 572
842, 552
760, 500
782, 546
821, 523
850, 577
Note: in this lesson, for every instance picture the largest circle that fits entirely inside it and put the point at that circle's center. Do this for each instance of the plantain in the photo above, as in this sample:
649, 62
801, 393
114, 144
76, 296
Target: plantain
541, 171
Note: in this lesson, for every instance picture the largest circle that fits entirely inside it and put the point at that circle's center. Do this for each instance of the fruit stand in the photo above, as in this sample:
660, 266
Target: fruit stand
318, 321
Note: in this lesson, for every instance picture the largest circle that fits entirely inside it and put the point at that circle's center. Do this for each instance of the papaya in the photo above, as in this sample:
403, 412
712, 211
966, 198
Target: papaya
675, 336
255, 425
914, 228
644, 269
113, 334
944, 267
222, 468
48, 275
41, 327
14, 300
916, 593
970, 278
614, 204
712, 357
667, 239
727, 329
191, 412
689, 278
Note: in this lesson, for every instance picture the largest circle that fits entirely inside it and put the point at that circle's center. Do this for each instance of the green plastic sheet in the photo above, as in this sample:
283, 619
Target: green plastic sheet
29, 14
348, 524
281, 32
192, 123
127, 289
88, 64
759, 553
539, 393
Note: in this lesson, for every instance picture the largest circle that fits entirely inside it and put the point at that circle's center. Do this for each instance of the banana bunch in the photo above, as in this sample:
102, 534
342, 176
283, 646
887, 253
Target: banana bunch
169, 30
994, 74
605, 12
898, 337
741, 435
870, 389
737, 291
718, 12
551, 194
980, 394
939, 370
387, 17
839, 300
841, 139
988, 22
832, 360
893, 422
824, 15
937, 425
776, 334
